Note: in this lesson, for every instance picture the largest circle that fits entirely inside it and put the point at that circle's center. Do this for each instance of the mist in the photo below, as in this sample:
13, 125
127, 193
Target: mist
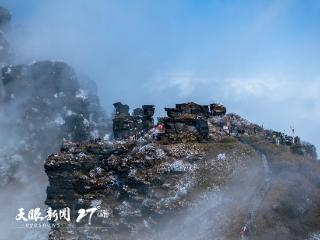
220, 212
243, 54
23, 182
43, 103
259, 59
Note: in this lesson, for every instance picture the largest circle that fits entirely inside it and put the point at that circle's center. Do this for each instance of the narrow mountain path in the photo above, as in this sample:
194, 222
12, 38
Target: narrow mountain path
257, 200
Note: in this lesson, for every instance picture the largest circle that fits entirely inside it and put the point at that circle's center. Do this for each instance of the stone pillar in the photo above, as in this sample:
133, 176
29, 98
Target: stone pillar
147, 120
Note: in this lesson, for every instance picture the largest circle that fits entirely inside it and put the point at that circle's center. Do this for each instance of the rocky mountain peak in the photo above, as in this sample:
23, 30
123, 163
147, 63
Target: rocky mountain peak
203, 174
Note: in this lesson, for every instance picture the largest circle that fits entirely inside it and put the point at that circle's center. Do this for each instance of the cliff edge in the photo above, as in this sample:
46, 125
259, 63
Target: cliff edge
224, 178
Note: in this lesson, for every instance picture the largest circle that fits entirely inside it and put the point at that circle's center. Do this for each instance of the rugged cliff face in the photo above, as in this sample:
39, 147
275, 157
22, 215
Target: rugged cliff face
6, 53
145, 189
193, 180
42, 104
42, 117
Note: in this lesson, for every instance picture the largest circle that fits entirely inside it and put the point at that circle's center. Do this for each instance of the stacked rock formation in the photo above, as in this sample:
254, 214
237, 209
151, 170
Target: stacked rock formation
217, 109
132, 126
122, 121
185, 122
147, 120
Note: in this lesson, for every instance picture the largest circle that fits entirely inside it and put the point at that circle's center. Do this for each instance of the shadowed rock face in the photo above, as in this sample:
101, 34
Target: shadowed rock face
187, 190
126, 125
29, 80
46, 105
6, 53
42, 104
186, 122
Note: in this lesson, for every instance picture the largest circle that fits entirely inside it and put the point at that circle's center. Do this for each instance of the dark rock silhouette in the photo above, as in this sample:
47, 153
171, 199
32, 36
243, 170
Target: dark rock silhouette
48, 106
5, 17
135, 125
6, 53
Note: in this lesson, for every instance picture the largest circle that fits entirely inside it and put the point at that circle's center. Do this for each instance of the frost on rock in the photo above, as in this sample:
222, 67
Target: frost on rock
160, 153
81, 155
221, 156
43, 117
94, 134
96, 203
96, 172
146, 149
132, 173
106, 137
8, 70
59, 95
81, 94
86, 123
59, 121
179, 166
125, 209
314, 236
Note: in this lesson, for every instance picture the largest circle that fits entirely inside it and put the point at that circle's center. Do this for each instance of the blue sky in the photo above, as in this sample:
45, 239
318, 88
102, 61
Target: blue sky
259, 58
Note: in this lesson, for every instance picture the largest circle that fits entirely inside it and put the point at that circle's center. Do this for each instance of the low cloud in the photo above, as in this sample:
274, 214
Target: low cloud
184, 84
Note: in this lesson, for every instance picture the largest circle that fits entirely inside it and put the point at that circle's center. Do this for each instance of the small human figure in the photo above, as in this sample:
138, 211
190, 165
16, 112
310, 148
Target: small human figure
229, 127
244, 232
292, 131
153, 132
160, 128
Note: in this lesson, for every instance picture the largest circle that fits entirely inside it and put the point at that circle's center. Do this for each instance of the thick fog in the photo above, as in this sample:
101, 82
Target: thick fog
257, 58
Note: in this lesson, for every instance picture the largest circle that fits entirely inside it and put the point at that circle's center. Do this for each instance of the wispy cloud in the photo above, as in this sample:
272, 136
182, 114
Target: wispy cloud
274, 89
184, 84
250, 55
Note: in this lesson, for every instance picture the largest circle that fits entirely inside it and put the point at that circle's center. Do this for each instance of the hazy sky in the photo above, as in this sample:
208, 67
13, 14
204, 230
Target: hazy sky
259, 58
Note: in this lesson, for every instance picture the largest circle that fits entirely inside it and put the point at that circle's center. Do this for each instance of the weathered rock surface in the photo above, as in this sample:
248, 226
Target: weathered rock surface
185, 122
42, 104
41, 117
132, 126
188, 190
139, 184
